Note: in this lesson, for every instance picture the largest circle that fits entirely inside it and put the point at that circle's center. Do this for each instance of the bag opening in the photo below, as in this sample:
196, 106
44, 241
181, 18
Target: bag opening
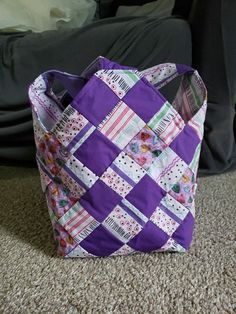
49, 105
180, 85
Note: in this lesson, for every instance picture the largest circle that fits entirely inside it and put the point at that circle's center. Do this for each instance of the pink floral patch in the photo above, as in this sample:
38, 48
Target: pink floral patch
184, 190
145, 147
59, 199
64, 242
52, 154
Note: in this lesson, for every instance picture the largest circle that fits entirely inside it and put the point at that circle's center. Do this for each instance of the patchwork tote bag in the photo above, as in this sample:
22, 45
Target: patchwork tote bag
118, 163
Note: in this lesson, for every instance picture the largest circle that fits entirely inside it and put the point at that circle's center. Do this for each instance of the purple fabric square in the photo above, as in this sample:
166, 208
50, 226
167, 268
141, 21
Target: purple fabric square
97, 152
185, 144
95, 105
183, 235
149, 239
101, 242
100, 200
146, 195
144, 103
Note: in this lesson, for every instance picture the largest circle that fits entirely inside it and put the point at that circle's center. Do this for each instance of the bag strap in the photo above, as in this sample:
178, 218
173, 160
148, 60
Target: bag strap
160, 75
191, 95
102, 63
48, 108
73, 83
46, 105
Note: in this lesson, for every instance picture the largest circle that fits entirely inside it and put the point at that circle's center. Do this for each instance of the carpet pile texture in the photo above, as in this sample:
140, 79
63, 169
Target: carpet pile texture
34, 280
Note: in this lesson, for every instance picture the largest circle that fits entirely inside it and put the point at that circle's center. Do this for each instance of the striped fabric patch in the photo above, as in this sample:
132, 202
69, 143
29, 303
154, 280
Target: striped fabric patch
195, 161
167, 123
121, 125
78, 222
197, 122
189, 99
119, 81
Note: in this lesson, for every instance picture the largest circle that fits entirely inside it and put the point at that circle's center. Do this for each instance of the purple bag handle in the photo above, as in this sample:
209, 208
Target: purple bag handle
40, 92
102, 63
74, 83
178, 70
45, 103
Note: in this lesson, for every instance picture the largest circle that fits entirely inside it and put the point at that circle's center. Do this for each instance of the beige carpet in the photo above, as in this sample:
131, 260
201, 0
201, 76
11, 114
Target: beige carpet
34, 280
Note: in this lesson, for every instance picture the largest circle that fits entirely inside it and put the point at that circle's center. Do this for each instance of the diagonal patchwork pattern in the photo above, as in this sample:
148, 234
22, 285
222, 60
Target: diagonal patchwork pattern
119, 164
